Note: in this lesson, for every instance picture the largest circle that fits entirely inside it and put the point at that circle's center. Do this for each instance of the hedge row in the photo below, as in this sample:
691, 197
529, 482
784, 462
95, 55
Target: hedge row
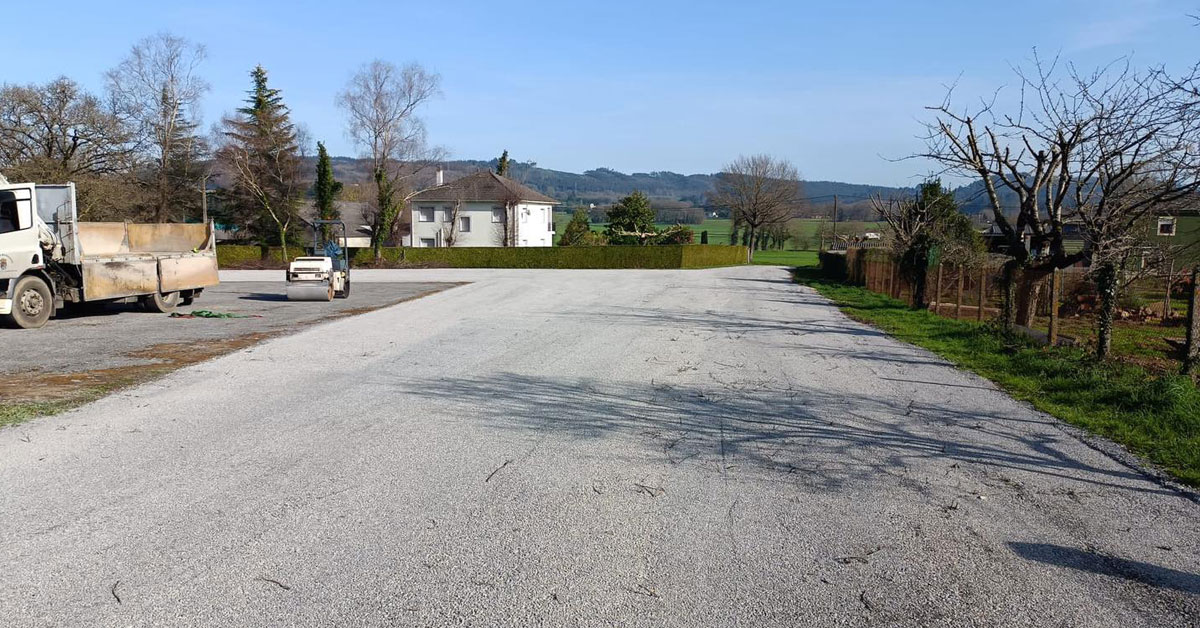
684, 256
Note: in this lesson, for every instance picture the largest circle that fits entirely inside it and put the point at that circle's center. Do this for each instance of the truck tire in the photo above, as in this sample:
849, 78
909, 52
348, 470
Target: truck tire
32, 303
345, 293
160, 303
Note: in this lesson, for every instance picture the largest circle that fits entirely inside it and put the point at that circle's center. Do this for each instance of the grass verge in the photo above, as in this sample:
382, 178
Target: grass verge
14, 412
1156, 417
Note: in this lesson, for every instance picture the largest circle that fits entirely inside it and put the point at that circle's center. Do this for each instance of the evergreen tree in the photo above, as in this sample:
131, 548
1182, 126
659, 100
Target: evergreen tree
577, 231
178, 184
631, 220
326, 189
502, 165
263, 155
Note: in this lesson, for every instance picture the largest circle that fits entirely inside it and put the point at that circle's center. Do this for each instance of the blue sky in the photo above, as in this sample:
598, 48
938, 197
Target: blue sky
836, 87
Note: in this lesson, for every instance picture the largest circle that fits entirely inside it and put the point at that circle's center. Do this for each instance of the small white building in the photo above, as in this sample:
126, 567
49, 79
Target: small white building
481, 209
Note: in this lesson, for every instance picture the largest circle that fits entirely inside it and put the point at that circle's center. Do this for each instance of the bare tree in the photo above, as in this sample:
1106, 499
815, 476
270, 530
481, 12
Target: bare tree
58, 132
157, 90
925, 228
760, 191
1100, 150
381, 102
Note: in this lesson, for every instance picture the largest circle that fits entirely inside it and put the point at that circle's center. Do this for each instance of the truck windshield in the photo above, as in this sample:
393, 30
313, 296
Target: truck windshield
8, 215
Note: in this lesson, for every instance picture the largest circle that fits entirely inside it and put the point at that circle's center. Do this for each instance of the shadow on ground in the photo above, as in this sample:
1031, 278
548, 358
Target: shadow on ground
1082, 560
829, 441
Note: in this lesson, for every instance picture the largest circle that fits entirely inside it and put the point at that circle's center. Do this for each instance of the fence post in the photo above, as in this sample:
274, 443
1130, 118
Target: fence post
897, 289
885, 276
958, 302
937, 296
1191, 348
982, 292
1055, 296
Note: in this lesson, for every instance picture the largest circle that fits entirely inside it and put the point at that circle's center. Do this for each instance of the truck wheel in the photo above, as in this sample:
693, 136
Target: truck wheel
32, 303
187, 299
345, 293
160, 303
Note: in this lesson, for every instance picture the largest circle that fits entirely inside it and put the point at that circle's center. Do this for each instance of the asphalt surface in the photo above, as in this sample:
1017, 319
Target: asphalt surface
691, 448
105, 337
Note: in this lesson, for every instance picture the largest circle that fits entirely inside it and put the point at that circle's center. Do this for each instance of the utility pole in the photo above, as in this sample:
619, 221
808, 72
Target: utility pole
834, 243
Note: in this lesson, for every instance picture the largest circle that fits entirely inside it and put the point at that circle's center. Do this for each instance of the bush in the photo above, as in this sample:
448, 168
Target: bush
519, 257
250, 256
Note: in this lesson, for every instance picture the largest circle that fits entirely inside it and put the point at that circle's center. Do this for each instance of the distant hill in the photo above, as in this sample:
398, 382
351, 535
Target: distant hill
670, 190
604, 185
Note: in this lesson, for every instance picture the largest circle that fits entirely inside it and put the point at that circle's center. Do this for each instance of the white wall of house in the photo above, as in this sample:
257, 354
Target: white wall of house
480, 224
534, 224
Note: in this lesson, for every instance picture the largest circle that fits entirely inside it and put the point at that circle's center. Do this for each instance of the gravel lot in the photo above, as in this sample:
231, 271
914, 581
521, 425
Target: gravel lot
636, 448
121, 336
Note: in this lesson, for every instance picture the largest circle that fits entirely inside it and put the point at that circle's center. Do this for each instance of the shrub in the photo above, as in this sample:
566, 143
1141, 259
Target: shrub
519, 257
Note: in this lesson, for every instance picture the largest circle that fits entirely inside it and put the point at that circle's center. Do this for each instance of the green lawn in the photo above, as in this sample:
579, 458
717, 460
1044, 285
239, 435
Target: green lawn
1156, 417
718, 229
786, 258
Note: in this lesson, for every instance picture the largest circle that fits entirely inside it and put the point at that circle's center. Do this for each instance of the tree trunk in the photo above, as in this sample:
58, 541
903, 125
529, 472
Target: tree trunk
283, 240
1008, 306
1106, 286
1028, 292
1055, 299
1191, 347
750, 233
919, 281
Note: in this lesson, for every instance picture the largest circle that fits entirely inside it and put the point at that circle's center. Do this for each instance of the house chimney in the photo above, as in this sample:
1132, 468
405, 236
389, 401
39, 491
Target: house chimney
440, 177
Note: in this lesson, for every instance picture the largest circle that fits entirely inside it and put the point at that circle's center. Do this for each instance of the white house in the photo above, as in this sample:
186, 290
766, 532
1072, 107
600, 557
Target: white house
481, 209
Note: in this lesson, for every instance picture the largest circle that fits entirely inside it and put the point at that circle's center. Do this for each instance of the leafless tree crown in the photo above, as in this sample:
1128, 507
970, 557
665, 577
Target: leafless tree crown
759, 191
381, 102
1101, 149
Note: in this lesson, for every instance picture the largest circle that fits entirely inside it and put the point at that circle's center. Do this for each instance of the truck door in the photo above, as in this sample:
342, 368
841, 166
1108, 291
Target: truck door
19, 248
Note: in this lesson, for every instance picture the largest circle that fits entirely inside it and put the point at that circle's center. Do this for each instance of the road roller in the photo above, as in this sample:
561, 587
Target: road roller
324, 274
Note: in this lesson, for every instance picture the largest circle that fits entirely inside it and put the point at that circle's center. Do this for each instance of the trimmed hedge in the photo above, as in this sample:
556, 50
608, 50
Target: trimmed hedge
250, 256
682, 256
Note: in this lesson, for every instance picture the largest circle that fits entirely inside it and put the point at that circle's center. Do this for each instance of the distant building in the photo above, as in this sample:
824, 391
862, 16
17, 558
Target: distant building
481, 209
354, 215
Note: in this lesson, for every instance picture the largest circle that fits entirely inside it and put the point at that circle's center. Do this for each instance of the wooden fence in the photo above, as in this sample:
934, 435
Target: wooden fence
977, 292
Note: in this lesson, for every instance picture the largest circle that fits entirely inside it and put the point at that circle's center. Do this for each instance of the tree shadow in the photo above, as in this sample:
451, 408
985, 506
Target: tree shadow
828, 440
1082, 560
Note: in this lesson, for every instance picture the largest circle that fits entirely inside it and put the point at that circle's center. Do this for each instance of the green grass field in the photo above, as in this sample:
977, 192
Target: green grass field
1156, 417
786, 258
718, 233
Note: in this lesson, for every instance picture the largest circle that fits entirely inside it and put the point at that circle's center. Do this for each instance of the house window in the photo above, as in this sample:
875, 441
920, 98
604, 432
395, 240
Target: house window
525, 215
497, 214
425, 214
464, 224
1166, 226
447, 214
427, 242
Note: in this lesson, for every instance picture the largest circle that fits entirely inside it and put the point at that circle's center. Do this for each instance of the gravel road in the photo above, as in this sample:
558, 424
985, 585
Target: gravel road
105, 338
642, 448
